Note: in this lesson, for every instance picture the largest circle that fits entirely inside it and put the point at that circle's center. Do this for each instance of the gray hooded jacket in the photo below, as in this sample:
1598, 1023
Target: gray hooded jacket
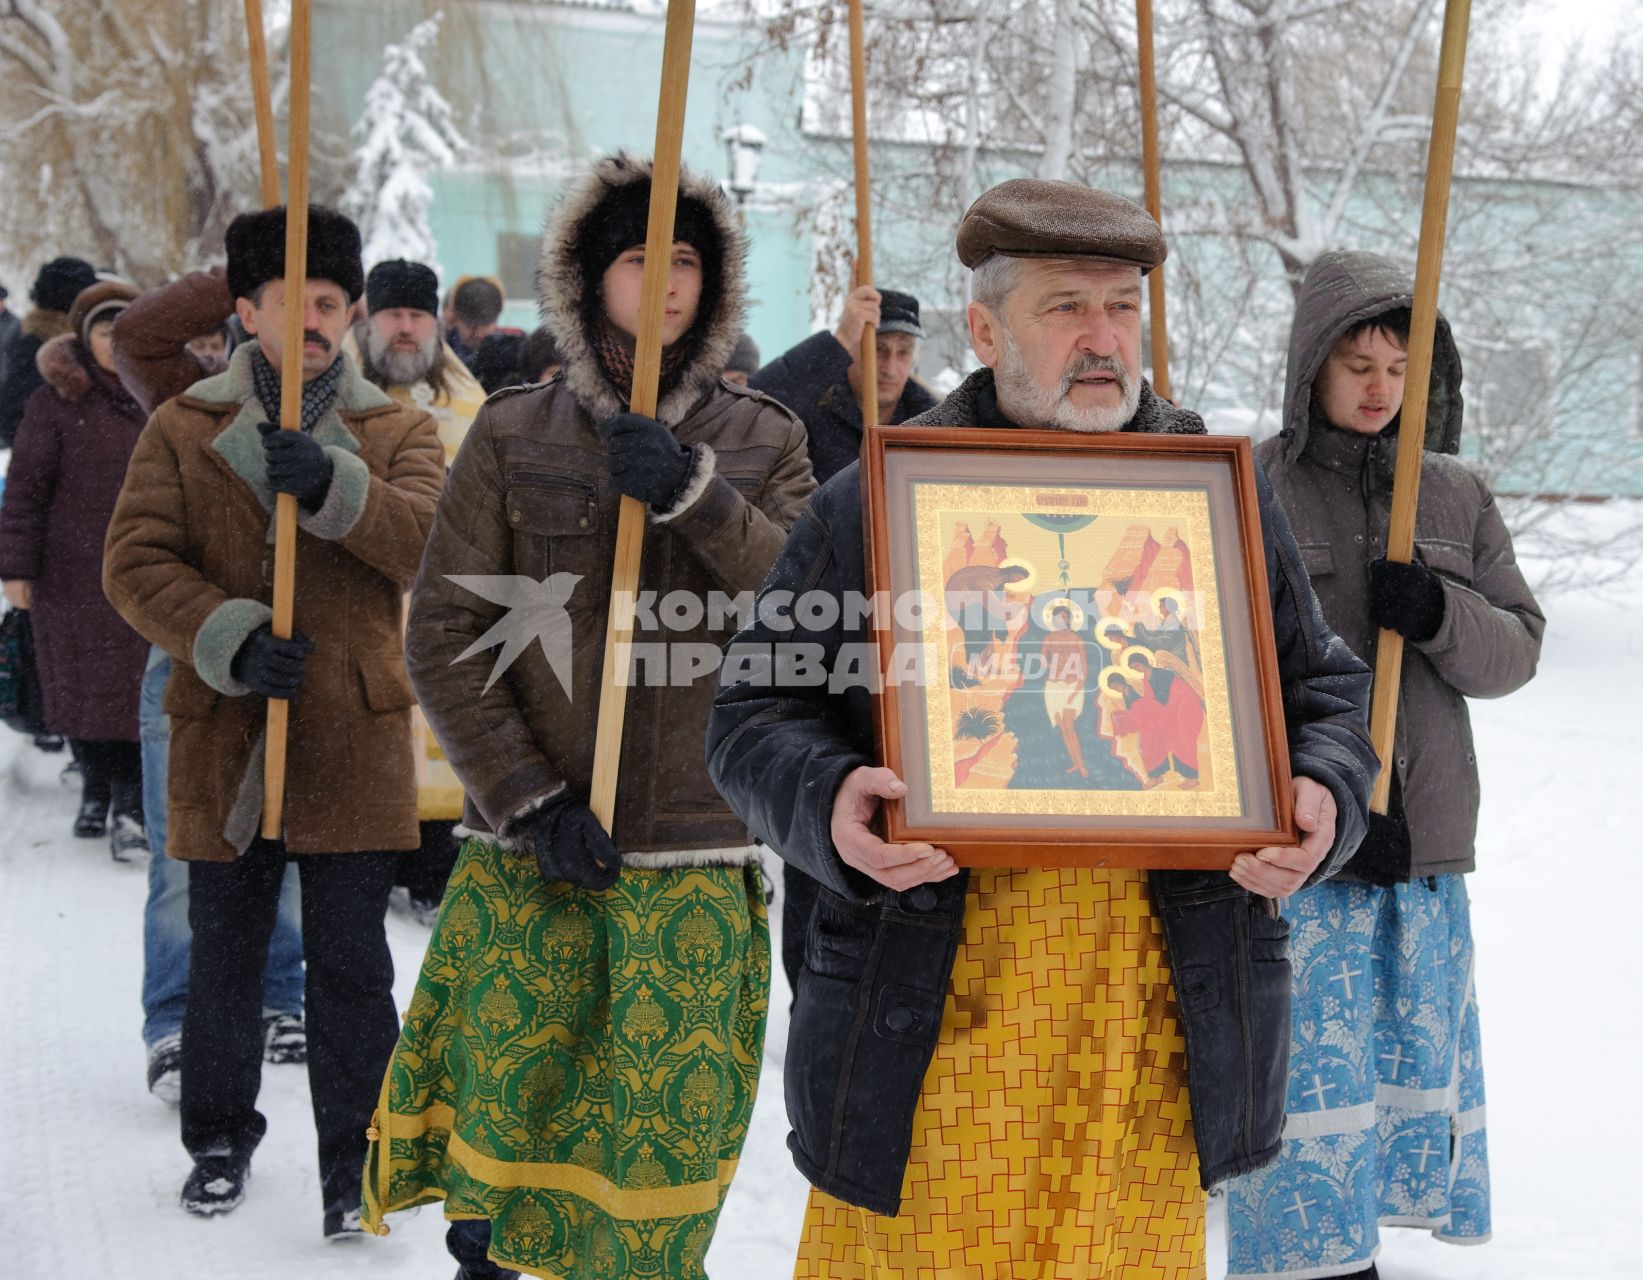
1336, 487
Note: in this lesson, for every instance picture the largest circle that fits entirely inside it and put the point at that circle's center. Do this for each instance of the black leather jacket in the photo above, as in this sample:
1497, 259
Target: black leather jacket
878, 964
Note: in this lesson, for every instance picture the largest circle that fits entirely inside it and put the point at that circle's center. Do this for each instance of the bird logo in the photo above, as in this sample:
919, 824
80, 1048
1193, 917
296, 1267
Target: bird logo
535, 611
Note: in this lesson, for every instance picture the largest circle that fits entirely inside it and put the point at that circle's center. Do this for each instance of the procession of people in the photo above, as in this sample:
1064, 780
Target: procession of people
990, 1070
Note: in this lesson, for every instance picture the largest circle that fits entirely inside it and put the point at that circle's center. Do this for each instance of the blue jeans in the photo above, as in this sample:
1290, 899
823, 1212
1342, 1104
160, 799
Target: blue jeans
166, 935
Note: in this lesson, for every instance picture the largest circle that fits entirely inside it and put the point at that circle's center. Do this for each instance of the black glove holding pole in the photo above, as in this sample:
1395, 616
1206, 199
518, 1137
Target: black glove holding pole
1383, 858
1406, 598
270, 666
569, 844
646, 462
297, 464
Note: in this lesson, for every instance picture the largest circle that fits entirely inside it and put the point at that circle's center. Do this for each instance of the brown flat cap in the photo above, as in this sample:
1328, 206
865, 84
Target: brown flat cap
1038, 218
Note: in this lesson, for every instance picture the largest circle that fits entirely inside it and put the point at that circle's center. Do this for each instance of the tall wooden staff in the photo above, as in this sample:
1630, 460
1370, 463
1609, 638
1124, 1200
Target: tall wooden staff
647, 378
869, 355
1154, 201
285, 508
1400, 537
262, 101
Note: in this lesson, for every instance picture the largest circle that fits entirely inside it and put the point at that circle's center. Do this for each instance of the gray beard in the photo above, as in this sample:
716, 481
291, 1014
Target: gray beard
1023, 400
400, 368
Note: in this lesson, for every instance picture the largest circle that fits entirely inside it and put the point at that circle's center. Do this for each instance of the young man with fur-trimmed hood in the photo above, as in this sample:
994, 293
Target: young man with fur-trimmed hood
189, 564
576, 1072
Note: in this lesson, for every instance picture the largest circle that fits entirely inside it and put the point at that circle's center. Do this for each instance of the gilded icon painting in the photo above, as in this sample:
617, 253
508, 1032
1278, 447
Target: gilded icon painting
1083, 654
1088, 674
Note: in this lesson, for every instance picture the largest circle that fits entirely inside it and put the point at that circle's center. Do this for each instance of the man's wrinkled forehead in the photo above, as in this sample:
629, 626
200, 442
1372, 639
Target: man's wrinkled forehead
1043, 278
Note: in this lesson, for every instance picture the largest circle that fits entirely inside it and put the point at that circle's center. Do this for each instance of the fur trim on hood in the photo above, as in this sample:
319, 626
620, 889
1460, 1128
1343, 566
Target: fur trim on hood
46, 325
568, 296
62, 363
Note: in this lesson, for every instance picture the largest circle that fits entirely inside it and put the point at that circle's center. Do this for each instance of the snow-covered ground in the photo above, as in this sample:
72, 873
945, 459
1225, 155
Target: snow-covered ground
96, 1164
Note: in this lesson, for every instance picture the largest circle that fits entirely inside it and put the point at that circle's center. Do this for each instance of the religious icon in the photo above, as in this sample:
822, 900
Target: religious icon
1095, 676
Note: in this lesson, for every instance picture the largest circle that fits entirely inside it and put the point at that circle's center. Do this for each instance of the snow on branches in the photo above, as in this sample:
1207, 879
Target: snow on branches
405, 132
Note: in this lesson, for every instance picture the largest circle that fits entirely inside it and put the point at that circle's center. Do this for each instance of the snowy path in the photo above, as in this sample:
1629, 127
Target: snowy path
97, 1165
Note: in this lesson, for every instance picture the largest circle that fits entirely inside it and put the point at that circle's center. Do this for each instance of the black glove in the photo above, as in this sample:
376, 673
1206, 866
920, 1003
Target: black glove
1405, 597
271, 666
646, 462
1383, 857
297, 464
569, 844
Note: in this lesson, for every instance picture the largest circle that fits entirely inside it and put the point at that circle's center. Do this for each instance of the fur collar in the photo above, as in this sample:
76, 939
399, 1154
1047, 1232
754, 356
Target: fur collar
239, 443
561, 288
45, 325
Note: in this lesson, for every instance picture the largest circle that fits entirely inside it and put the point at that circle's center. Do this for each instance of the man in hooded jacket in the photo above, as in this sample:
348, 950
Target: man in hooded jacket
1006, 1070
1385, 1115
576, 1072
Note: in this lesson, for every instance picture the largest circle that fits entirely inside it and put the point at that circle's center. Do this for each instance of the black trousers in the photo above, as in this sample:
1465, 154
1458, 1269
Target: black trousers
111, 772
798, 901
469, 1242
424, 871
352, 1023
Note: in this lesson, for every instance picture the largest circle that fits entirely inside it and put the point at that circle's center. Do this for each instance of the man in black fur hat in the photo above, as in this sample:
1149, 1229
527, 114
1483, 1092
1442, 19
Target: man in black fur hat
189, 564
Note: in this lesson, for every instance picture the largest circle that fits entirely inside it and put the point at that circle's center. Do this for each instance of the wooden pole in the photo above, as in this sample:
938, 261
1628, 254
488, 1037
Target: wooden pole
1154, 201
869, 354
262, 100
1400, 536
647, 377
285, 509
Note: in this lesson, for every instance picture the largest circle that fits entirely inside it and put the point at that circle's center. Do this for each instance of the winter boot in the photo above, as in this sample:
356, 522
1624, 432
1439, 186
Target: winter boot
217, 1184
92, 820
126, 838
165, 1069
284, 1038
342, 1224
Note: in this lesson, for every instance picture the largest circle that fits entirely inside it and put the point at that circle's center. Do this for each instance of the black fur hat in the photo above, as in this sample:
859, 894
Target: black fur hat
399, 283
60, 281
256, 251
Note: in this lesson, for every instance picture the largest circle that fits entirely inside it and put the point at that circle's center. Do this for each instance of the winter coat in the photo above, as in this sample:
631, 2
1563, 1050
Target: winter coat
190, 565
1336, 487
67, 465
10, 326
811, 380
23, 377
868, 1009
151, 336
530, 495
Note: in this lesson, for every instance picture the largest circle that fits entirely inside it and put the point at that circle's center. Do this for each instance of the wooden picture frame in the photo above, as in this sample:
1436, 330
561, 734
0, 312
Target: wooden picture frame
1148, 730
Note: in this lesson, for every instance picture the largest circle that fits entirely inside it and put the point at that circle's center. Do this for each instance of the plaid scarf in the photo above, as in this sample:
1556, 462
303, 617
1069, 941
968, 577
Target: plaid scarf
616, 361
317, 396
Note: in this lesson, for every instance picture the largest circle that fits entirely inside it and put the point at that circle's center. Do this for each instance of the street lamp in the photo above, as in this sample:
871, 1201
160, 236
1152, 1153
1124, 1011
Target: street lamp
744, 145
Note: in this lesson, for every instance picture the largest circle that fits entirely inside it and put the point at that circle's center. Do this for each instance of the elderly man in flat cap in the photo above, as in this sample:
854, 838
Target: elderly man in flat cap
189, 564
1027, 1072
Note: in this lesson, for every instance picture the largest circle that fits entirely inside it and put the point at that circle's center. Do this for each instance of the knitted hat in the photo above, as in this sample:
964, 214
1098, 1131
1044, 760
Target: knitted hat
621, 221
60, 281
898, 313
539, 352
103, 301
398, 283
256, 251
744, 357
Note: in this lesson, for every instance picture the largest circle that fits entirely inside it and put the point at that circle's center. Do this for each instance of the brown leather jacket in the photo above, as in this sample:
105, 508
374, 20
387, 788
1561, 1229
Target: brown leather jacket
524, 543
